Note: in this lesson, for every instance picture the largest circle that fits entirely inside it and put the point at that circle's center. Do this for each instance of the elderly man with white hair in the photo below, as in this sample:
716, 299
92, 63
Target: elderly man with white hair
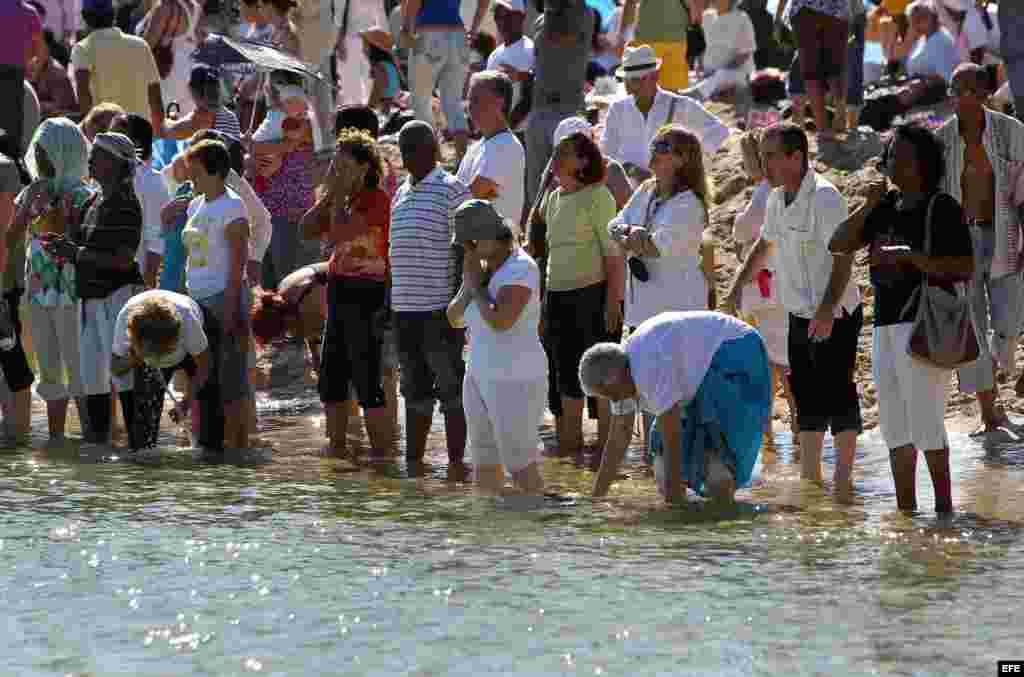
634, 120
705, 376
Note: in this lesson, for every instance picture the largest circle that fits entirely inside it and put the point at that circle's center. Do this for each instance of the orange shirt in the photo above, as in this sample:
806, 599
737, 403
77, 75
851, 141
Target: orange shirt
361, 246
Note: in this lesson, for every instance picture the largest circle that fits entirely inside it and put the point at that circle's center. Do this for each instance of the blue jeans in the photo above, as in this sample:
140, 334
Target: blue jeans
995, 308
440, 58
854, 62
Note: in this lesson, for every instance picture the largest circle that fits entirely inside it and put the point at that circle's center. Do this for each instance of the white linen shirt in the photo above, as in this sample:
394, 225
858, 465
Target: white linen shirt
801, 233
1003, 141
628, 134
153, 196
677, 282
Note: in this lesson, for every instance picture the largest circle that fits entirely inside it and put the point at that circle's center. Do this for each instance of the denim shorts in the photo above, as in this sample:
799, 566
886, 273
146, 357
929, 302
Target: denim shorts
430, 359
232, 355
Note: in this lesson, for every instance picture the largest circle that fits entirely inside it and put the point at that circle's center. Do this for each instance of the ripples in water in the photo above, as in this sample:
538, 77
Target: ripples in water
312, 566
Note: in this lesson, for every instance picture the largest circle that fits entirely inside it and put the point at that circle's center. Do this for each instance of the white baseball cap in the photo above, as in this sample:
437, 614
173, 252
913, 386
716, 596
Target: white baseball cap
570, 126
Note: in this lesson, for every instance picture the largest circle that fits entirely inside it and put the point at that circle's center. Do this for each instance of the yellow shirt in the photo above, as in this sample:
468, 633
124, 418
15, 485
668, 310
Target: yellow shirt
578, 238
121, 69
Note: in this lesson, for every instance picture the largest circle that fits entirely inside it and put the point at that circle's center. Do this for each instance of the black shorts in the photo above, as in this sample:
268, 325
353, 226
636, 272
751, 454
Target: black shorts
14, 363
822, 375
350, 353
573, 322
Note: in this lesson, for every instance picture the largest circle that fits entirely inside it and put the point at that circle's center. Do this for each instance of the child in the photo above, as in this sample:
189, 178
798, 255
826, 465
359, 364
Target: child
286, 126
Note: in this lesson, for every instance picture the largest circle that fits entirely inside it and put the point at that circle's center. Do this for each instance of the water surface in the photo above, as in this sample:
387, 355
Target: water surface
306, 566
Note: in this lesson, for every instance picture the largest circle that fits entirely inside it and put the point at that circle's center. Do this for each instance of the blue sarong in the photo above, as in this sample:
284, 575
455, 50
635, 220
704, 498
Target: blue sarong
727, 415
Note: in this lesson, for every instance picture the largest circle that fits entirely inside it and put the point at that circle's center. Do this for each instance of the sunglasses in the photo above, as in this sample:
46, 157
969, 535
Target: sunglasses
662, 148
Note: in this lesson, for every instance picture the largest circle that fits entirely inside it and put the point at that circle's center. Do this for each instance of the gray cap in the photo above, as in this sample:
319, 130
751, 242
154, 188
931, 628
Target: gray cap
479, 220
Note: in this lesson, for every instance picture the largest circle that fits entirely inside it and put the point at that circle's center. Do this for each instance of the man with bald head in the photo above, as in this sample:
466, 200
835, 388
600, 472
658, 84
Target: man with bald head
980, 145
424, 270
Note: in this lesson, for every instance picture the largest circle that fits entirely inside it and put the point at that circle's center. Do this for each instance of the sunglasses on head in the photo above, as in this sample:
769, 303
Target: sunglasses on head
662, 147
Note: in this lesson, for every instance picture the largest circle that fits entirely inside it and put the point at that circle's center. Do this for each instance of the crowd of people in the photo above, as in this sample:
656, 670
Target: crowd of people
154, 209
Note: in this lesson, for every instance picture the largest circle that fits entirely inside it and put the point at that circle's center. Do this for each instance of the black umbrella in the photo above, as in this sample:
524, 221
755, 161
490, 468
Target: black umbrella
246, 56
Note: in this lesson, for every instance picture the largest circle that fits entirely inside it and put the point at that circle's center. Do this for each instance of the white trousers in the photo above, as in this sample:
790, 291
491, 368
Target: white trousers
502, 419
912, 395
97, 341
773, 325
55, 334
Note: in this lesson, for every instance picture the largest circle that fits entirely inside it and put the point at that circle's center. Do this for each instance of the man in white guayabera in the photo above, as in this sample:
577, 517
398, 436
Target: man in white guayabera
825, 314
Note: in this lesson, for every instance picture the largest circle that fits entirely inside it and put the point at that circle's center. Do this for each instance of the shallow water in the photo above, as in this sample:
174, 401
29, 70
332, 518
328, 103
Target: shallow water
307, 566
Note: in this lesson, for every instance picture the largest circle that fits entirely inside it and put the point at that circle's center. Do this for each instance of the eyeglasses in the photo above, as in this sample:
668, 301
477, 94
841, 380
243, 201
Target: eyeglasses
662, 148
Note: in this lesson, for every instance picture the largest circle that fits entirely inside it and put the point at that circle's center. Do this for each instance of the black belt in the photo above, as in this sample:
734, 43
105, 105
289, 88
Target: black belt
981, 223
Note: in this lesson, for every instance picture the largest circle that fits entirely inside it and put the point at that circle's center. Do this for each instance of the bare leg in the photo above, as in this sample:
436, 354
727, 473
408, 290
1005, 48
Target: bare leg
938, 468
838, 89
992, 415
336, 417
528, 480
461, 143
236, 424
903, 461
417, 427
570, 427
391, 398
846, 450
490, 479
810, 459
719, 485
816, 94
380, 431
604, 420
21, 413
56, 417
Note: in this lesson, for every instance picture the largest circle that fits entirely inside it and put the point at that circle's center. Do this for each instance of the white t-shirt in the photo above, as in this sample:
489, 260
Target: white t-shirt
515, 354
670, 354
501, 159
153, 196
209, 255
518, 55
192, 340
801, 232
727, 36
